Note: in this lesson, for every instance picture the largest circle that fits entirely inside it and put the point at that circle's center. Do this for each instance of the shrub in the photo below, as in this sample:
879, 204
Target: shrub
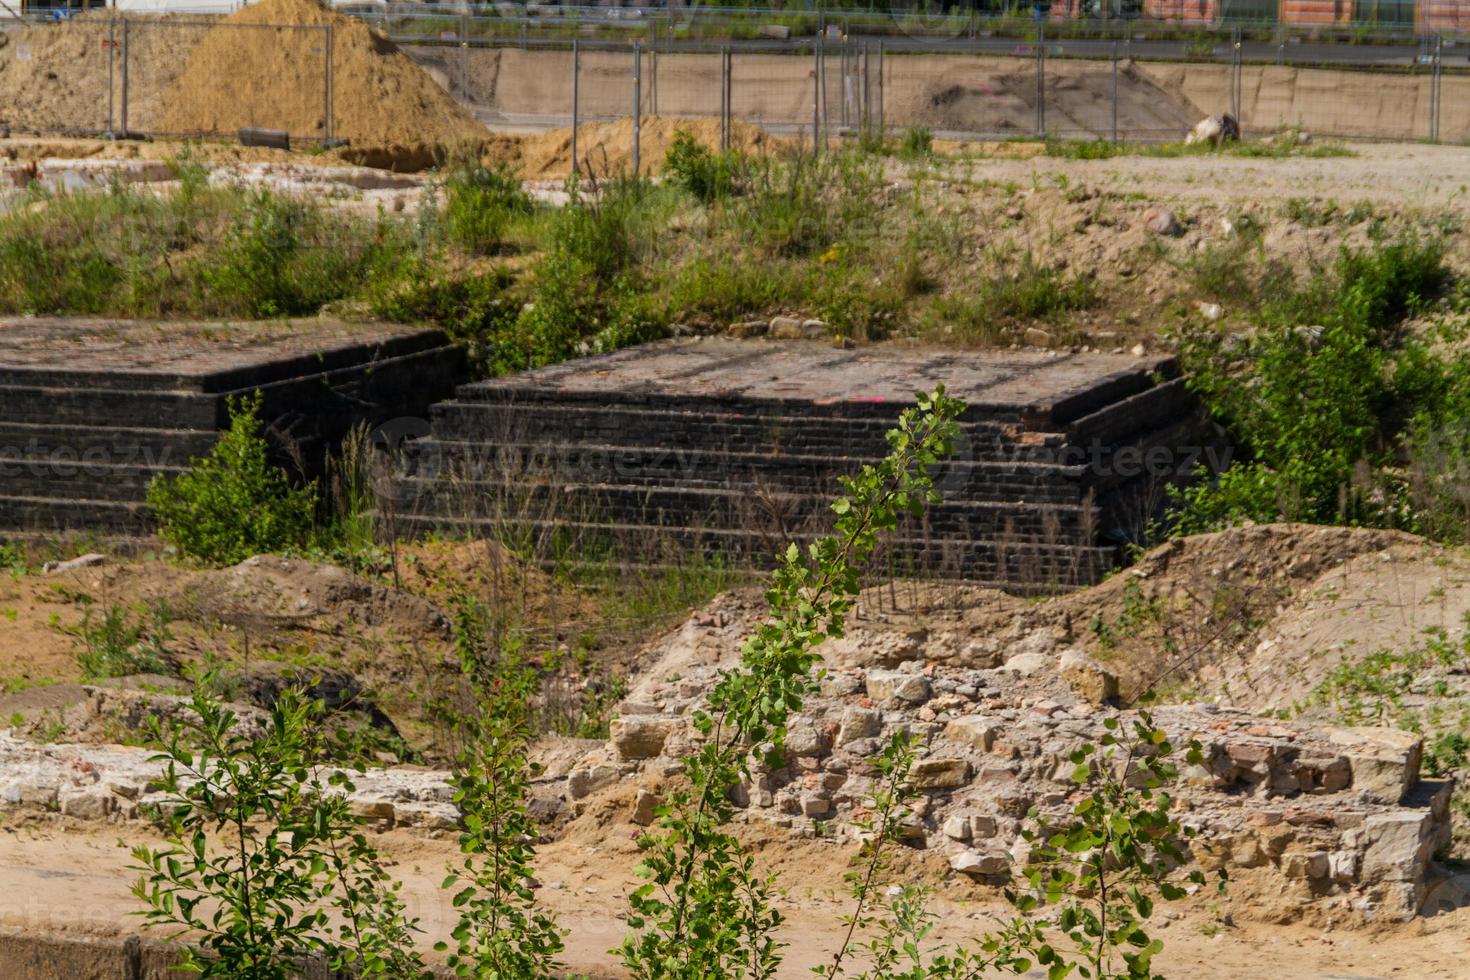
481, 204
1322, 387
283, 257
234, 503
805, 204
917, 143
117, 645
707, 175
476, 310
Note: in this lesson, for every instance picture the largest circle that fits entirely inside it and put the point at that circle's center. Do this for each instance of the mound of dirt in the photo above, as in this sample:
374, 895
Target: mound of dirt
275, 81
1079, 101
607, 148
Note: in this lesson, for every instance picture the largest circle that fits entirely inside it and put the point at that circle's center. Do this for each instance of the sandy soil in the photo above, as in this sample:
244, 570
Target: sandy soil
77, 881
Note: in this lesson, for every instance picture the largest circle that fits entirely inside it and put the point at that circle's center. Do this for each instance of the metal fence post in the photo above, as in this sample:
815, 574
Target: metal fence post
123, 120
637, 103
816, 96
724, 98
882, 133
1235, 48
464, 56
1040, 78
111, 68
575, 81
1115, 92
867, 90
653, 77
328, 94
1436, 89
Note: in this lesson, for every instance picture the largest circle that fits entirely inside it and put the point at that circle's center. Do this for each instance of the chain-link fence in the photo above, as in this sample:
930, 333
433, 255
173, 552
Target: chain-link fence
821, 89
209, 77
154, 76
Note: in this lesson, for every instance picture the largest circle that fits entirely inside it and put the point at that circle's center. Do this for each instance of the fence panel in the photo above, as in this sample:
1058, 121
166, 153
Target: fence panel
209, 78
58, 81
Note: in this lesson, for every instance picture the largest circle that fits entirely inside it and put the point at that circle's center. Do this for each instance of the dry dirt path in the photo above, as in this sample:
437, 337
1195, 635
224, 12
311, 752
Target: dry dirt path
77, 882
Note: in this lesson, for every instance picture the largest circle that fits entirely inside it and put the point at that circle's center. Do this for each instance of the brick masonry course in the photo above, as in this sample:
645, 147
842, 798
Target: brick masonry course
92, 410
739, 445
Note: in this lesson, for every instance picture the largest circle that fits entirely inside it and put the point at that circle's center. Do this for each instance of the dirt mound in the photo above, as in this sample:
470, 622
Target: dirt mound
1079, 101
607, 148
275, 80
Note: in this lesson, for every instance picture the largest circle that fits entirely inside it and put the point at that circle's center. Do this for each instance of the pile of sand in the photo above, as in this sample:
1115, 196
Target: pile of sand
55, 76
238, 76
604, 149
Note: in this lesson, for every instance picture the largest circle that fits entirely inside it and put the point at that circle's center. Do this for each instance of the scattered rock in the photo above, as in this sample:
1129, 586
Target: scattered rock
785, 328
89, 560
1090, 679
910, 688
940, 773
640, 736
1162, 221
1214, 130
748, 328
644, 807
973, 730
981, 864
858, 723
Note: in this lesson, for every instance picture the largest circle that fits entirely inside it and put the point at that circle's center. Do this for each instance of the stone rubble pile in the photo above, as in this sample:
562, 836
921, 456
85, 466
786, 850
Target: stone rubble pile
1340, 814
119, 783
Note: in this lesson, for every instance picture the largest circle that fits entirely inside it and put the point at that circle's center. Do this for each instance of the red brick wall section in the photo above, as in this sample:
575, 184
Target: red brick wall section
1316, 11
1444, 15
1182, 11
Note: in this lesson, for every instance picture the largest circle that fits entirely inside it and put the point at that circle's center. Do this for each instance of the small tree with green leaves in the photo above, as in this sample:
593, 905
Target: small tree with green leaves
705, 911
501, 933
234, 502
1093, 880
266, 867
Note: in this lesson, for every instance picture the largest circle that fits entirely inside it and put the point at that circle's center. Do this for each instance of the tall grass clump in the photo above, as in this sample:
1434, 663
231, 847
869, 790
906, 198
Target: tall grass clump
205, 250
481, 205
587, 290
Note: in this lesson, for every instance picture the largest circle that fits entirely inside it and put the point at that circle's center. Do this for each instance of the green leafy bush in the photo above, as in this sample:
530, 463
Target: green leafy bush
284, 257
265, 866
481, 205
235, 502
1324, 385
707, 175
118, 645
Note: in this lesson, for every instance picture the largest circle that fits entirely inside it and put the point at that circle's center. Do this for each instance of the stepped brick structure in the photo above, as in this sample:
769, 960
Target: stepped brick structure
737, 446
92, 410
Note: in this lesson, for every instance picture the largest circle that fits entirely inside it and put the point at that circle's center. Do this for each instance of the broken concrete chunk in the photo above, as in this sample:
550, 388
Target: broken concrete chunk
910, 688
1384, 761
976, 731
981, 864
644, 807
1399, 845
640, 736
940, 773
858, 723
1089, 679
585, 782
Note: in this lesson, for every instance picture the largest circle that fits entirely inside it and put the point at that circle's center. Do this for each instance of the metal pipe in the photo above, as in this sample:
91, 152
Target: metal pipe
328, 95
123, 121
637, 103
576, 64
